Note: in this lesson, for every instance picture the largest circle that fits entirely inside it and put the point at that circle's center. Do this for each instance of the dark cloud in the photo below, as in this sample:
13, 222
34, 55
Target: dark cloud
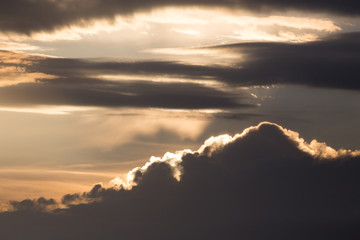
328, 63
74, 198
27, 16
78, 82
95, 92
261, 185
236, 116
41, 204
67, 67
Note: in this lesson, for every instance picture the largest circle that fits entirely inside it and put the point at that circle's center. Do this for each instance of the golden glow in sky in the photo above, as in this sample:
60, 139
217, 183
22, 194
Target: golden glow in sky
179, 27
109, 92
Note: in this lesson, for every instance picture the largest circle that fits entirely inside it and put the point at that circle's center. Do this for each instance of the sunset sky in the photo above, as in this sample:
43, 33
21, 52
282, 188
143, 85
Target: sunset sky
91, 90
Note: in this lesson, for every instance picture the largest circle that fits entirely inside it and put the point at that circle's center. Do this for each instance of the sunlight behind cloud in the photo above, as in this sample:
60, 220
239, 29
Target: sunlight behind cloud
319, 24
187, 31
211, 82
251, 34
48, 110
178, 27
195, 55
213, 145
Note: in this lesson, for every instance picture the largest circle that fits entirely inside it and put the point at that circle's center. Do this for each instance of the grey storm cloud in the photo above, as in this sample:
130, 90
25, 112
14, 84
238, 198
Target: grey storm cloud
266, 183
27, 16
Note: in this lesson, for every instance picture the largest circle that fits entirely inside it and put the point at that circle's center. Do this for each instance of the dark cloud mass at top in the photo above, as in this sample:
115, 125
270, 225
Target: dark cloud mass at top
264, 184
27, 16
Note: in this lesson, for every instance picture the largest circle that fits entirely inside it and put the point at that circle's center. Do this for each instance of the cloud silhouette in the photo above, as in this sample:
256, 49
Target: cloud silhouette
40, 204
265, 183
28, 16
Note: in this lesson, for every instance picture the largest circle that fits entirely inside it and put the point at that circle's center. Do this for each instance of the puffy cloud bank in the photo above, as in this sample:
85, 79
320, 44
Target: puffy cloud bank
265, 183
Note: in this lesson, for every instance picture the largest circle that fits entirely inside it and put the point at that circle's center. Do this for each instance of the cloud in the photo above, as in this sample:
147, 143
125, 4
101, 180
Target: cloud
41, 205
94, 92
27, 16
57, 81
263, 183
13, 68
35, 80
329, 63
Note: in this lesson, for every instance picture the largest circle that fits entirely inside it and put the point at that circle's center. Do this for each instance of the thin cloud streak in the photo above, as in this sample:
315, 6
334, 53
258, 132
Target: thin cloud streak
112, 94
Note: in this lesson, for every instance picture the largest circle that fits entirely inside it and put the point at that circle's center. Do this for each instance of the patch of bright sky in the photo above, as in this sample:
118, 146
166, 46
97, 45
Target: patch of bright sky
17, 184
109, 131
80, 131
169, 28
52, 110
117, 77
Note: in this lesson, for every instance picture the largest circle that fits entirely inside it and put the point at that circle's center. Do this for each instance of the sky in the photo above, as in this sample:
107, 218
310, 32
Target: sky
191, 119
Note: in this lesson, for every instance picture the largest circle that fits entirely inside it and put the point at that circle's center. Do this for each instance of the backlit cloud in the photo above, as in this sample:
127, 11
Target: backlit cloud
265, 180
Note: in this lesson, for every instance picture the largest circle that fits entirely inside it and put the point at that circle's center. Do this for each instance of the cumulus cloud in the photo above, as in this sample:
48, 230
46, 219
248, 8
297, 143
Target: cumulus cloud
265, 183
41, 205
28, 16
